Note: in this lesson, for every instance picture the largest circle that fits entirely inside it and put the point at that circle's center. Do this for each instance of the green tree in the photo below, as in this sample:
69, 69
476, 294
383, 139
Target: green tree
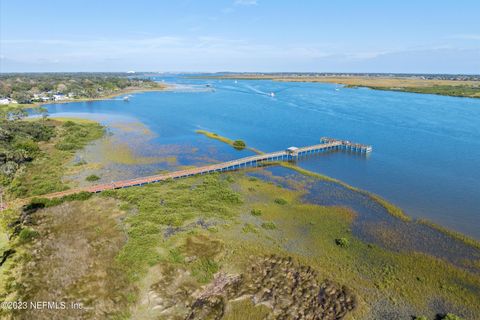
43, 113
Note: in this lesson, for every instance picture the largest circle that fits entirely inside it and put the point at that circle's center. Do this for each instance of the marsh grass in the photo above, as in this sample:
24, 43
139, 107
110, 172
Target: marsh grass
391, 208
456, 235
237, 144
308, 232
245, 309
58, 250
45, 173
92, 178
27, 235
255, 212
269, 225
203, 269
305, 232
169, 204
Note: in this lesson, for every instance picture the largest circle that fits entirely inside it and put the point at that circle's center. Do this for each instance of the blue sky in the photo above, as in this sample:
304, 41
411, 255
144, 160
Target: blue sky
426, 36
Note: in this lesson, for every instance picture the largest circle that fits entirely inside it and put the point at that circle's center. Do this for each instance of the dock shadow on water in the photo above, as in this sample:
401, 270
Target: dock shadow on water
373, 224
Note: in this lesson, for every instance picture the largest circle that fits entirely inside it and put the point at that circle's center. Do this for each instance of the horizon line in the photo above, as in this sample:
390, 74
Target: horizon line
246, 72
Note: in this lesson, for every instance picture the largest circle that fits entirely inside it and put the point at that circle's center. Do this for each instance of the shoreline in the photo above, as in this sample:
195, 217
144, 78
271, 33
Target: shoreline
435, 87
35, 105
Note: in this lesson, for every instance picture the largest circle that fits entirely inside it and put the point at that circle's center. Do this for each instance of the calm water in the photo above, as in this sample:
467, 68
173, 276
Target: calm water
426, 156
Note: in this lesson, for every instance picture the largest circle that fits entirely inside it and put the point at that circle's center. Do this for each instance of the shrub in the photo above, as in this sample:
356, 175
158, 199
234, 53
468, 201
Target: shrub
38, 203
256, 212
176, 256
65, 146
26, 144
248, 227
204, 269
342, 242
92, 177
451, 316
9, 168
68, 124
27, 234
280, 201
269, 225
81, 196
239, 144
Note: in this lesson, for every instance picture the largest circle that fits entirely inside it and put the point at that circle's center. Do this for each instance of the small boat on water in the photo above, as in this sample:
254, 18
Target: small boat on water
126, 98
272, 94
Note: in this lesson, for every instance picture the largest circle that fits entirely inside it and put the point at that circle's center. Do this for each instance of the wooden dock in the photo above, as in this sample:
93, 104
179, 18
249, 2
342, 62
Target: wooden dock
290, 154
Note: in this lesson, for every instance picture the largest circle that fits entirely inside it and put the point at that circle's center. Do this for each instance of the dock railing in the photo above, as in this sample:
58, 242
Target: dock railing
290, 154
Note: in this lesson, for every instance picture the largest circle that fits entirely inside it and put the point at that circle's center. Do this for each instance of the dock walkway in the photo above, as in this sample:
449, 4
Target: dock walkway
290, 154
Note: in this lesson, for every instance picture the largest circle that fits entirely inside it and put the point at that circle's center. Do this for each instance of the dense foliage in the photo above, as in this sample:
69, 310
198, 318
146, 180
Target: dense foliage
19, 144
32, 153
26, 88
44, 174
239, 144
454, 91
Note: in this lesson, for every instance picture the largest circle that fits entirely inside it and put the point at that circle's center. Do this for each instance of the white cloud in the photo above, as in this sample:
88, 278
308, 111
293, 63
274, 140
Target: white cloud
246, 2
213, 53
466, 36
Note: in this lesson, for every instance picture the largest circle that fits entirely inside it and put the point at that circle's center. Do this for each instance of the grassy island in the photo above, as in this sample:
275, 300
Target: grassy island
237, 144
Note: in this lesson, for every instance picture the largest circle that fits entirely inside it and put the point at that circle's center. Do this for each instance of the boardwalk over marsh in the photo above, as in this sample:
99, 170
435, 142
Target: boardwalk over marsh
290, 154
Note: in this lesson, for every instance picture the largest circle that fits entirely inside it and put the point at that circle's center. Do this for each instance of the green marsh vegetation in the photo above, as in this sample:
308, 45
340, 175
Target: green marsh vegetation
444, 90
34, 153
170, 239
92, 178
391, 208
237, 144
164, 245
342, 242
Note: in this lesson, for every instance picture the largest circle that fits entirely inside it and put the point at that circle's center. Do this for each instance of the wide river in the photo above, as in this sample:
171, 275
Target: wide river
426, 156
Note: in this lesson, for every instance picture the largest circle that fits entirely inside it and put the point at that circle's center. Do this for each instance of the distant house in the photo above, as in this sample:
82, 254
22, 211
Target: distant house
4, 101
40, 97
59, 97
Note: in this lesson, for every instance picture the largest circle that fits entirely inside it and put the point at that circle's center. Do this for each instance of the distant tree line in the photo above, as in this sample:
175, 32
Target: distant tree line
24, 88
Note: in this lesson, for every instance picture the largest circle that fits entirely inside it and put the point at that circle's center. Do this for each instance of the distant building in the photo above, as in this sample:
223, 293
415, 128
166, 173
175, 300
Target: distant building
59, 97
4, 101
40, 97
